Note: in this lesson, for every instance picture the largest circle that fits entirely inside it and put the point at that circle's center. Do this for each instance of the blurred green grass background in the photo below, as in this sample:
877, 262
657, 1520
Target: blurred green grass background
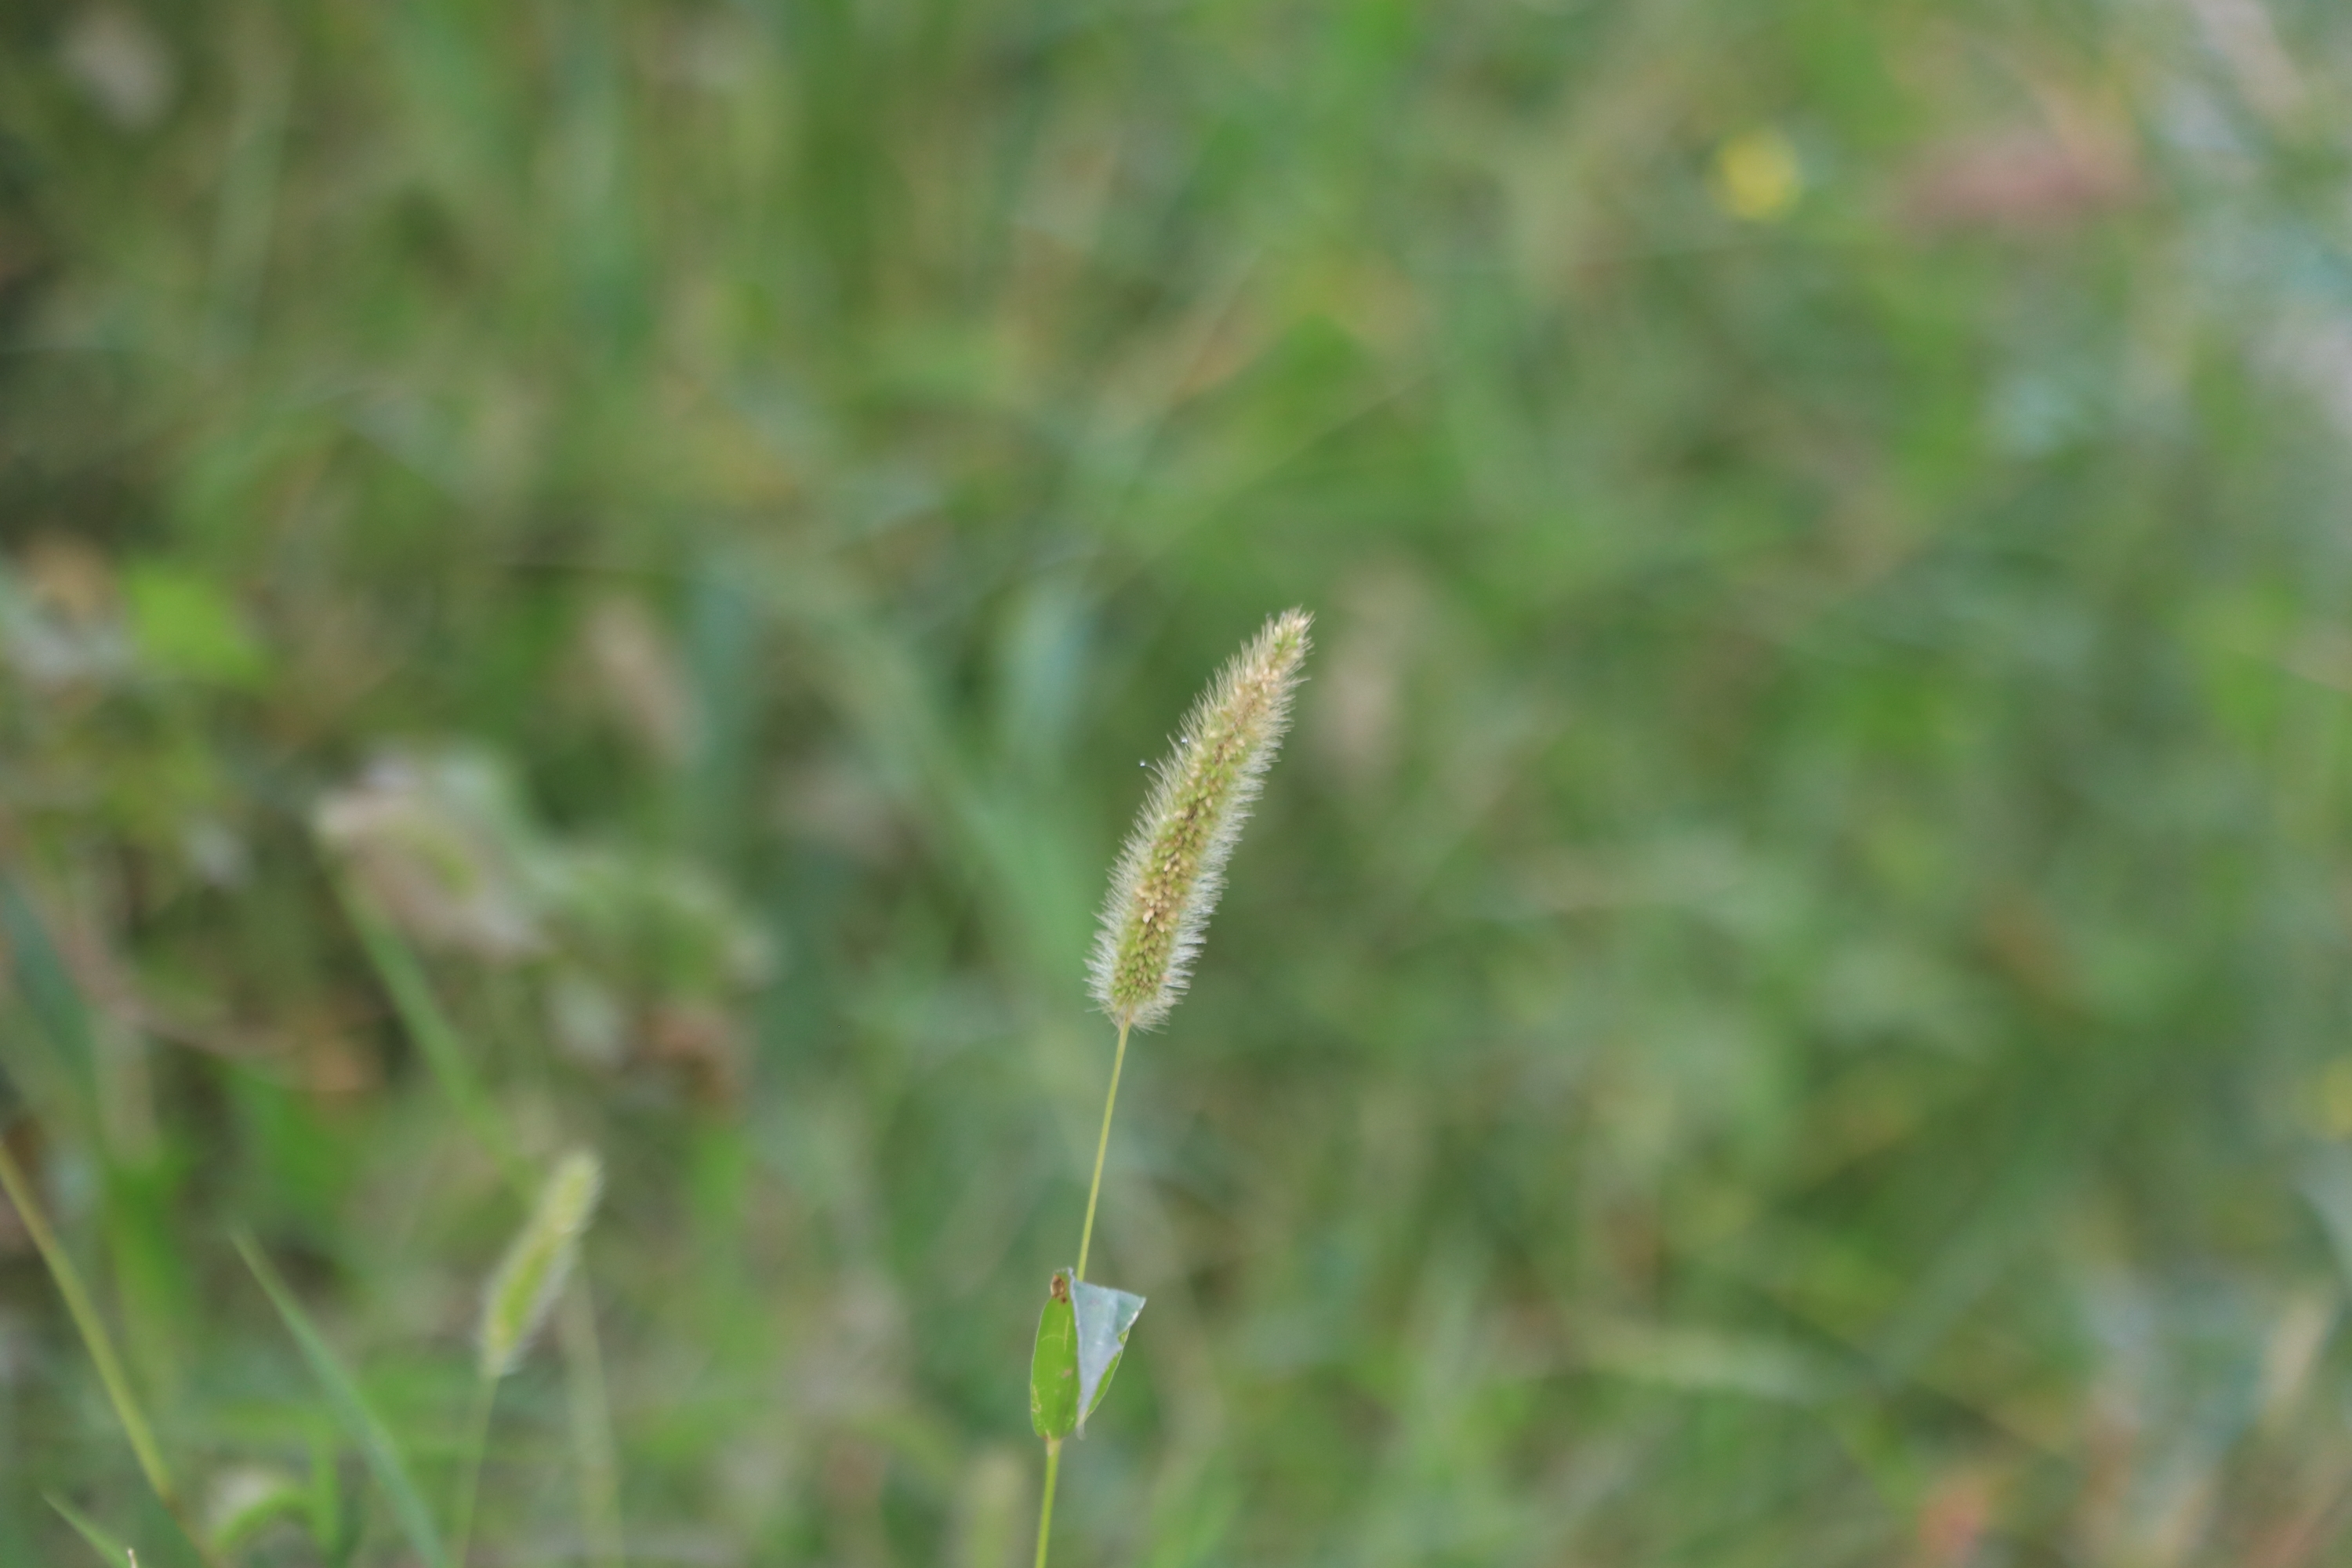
1787, 1003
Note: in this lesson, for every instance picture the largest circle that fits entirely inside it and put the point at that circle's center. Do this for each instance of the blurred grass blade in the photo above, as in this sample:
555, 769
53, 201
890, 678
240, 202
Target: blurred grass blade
374, 1441
420, 1013
592, 1427
105, 1545
93, 1328
2328, 1187
334, 1519
246, 1500
1700, 1360
48, 989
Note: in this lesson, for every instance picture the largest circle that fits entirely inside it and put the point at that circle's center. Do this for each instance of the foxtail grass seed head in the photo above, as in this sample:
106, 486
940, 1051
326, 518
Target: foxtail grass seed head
538, 1263
1172, 869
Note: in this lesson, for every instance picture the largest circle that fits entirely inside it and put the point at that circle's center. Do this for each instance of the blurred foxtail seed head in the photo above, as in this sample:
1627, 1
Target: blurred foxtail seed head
1170, 873
538, 1262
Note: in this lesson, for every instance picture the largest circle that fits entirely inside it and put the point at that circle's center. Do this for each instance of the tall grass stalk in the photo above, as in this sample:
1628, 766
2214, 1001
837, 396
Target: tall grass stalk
397, 966
592, 1427
523, 1290
1164, 885
358, 1419
470, 1473
87, 1322
402, 973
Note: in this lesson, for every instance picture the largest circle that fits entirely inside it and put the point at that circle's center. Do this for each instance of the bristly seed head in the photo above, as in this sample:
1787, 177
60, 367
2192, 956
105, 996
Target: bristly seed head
1170, 873
538, 1262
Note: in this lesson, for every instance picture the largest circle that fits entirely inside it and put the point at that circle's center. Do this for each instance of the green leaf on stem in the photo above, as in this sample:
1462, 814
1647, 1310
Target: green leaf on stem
1081, 1335
1054, 1365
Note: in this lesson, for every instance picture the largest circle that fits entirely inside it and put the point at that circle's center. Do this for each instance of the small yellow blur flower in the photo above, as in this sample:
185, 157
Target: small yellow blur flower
1756, 175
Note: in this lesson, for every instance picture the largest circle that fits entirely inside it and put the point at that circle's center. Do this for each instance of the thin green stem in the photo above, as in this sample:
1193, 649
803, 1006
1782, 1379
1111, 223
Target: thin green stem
84, 1312
1085, 1243
1045, 1508
477, 1439
1102, 1147
592, 1425
435, 1038
101, 1345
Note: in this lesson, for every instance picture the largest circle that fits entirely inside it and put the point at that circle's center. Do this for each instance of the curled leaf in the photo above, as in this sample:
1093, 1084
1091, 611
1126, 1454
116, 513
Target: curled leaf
1104, 1317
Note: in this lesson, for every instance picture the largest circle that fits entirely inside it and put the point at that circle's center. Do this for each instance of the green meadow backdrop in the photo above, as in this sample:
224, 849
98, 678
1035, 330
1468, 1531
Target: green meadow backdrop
598, 574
